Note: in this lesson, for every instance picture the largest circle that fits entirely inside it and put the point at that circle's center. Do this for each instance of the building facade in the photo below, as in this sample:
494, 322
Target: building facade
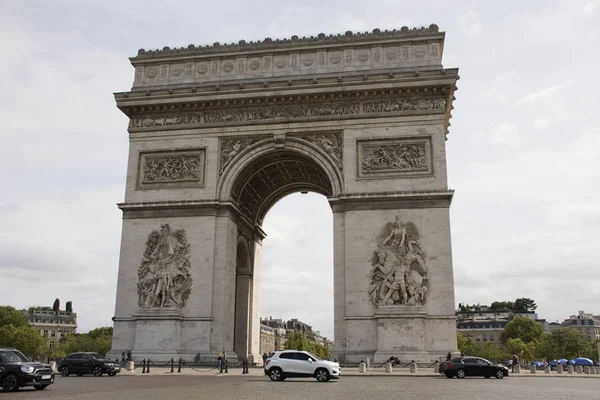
267, 339
51, 324
487, 326
587, 324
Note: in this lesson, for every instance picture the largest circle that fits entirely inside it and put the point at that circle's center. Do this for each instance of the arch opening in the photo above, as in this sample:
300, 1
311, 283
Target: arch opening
273, 176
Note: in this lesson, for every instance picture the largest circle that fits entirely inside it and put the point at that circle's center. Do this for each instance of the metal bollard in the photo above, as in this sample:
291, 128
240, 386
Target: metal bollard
148, 367
144, 366
179, 367
171, 365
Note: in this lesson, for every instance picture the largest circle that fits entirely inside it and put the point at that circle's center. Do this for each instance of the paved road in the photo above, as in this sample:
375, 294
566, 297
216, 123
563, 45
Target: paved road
153, 387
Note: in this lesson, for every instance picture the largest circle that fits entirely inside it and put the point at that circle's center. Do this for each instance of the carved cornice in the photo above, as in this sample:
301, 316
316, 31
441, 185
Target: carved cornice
293, 42
392, 200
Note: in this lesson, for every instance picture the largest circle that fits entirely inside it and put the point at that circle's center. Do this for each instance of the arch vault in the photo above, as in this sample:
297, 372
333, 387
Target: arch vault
218, 134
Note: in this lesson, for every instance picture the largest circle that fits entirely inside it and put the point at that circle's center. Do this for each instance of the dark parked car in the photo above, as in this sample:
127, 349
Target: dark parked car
472, 366
87, 363
17, 371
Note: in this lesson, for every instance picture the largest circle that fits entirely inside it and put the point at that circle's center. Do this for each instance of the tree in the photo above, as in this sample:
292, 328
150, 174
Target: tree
23, 338
466, 345
11, 316
564, 343
524, 304
525, 351
502, 306
526, 329
56, 305
297, 341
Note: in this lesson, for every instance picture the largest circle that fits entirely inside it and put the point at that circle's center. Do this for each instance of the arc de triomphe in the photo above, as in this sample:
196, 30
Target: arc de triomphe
218, 134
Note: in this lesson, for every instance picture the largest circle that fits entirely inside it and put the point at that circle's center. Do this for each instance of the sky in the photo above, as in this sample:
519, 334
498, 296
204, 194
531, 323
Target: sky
522, 150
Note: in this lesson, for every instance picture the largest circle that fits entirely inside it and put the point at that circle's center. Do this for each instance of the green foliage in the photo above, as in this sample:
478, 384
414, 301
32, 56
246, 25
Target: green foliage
487, 350
10, 316
23, 338
297, 341
525, 304
98, 340
56, 305
525, 351
502, 306
526, 329
565, 343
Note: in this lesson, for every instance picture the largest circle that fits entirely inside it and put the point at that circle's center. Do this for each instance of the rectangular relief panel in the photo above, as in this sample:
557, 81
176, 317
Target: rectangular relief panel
171, 169
392, 158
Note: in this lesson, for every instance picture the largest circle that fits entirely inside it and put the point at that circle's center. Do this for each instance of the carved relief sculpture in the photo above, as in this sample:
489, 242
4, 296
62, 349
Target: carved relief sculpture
331, 143
404, 157
176, 168
230, 148
398, 274
164, 278
295, 111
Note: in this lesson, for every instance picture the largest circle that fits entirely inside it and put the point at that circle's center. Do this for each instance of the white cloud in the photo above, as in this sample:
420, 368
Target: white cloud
470, 23
540, 94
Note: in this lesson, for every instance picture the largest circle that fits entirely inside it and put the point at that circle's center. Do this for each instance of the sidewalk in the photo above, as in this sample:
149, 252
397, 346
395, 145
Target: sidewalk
154, 371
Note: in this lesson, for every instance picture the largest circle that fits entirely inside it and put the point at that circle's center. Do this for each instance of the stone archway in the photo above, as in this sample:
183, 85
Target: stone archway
219, 134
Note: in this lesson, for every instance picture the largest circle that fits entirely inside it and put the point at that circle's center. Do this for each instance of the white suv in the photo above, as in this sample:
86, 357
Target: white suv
300, 364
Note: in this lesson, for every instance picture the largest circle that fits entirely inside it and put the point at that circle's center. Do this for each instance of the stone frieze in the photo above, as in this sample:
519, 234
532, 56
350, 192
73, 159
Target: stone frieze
172, 168
288, 112
397, 157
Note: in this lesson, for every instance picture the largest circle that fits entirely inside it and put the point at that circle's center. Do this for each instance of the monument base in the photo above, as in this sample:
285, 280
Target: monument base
401, 333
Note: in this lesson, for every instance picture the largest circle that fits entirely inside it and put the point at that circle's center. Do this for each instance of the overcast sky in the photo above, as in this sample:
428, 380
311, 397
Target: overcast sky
522, 151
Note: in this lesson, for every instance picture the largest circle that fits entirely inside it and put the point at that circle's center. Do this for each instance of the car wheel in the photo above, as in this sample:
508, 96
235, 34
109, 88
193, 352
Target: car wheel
275, 374
449, 375
40, 387
322, 375
460, 373
64, 371
97, 371
112, 373
10, 383
80, 374
499, 374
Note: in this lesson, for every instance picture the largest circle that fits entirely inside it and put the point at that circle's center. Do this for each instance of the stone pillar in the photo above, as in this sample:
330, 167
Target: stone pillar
579, 369
547, 369
532, 368
436, 367
388, 367
362, 368
254, 355
130, 366
339, 284
570, 369
242, 311
586, 370
517, 369
368, 362
413, 367
559, 368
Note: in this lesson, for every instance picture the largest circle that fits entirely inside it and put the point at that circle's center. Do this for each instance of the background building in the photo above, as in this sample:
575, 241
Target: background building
587, 324
488, 325
52, 324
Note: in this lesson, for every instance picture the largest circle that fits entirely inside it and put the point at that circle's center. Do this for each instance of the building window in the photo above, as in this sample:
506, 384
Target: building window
45, 332
53, 333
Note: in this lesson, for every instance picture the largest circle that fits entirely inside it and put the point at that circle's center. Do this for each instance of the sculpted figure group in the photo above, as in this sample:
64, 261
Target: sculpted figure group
164, 278
399, 273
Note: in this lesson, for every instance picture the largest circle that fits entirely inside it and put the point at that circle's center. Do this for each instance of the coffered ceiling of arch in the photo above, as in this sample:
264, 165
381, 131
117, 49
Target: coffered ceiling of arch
273, 177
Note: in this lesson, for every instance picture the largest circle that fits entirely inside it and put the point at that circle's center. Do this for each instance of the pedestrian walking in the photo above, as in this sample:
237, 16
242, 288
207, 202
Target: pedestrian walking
265, 358
245, 365
220, 363
515, 361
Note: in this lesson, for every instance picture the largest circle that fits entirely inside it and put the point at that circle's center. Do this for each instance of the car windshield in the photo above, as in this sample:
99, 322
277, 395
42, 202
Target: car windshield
11, 356
313, 356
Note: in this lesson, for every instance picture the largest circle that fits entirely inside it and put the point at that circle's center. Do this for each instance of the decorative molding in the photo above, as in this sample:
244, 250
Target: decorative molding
399, 274
171, 168
394, 157
269, 43
401, 106
164, 277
